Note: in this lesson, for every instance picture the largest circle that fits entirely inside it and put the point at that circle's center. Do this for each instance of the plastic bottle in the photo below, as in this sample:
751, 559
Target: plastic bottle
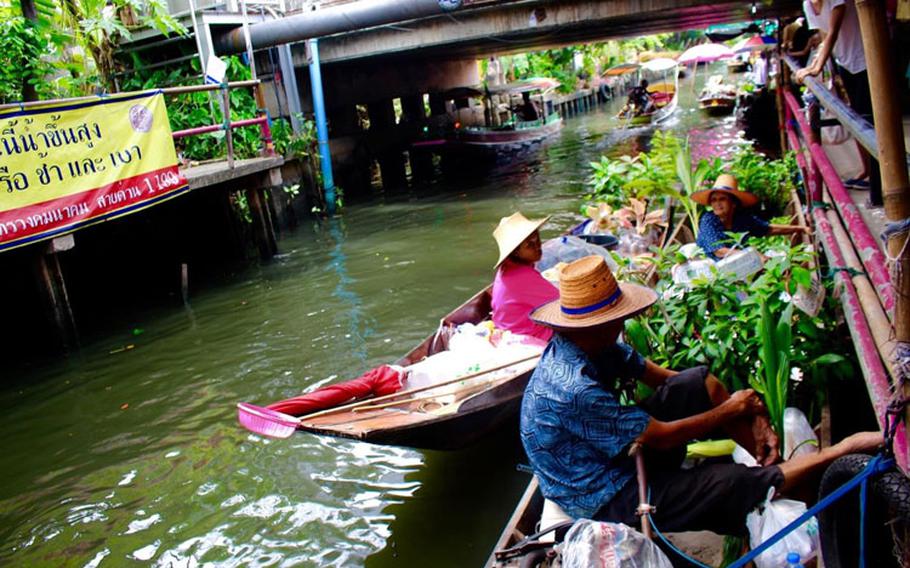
793, 560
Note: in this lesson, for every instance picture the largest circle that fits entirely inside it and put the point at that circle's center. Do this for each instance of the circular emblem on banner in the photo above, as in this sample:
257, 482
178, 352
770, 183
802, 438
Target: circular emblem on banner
140, 118
449, 4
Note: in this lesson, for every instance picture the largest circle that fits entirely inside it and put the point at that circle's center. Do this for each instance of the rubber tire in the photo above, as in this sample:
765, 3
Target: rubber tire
888, 501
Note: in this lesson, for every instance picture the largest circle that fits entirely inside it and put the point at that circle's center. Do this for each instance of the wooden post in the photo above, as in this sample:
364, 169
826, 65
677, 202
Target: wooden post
889, 134
53, 288
262, 225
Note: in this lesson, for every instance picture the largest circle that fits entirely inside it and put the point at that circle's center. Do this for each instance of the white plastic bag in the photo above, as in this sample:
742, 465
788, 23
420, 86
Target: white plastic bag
799, 437
771, 517
592, 544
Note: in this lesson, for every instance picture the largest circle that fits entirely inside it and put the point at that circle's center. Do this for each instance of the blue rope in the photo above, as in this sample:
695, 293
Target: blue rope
670, 544
862, 522
877, 464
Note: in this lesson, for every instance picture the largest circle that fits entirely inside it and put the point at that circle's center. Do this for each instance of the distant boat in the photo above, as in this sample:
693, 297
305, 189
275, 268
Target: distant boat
717, 98
663, 87
504, 130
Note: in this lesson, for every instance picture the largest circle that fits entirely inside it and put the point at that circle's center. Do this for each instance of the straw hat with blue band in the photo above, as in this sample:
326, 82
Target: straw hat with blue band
726, 184
589, 295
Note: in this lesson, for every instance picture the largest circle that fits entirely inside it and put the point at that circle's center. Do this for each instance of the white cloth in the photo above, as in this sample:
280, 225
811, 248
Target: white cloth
760, 71
848, 49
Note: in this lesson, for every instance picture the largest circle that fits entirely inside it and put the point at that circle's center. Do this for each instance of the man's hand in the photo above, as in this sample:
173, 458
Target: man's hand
811, 70
746, 402
767, 444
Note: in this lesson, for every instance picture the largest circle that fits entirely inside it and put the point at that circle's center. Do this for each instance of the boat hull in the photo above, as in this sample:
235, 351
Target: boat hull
417, 422
717, 106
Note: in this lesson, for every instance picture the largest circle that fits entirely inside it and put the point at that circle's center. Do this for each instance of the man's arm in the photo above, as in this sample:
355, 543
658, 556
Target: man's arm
663, 435
824, 52
788, 229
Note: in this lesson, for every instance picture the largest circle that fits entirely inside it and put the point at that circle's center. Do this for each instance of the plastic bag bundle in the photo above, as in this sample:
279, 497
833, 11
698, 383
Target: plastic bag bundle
568, 248
592, 544
771, 517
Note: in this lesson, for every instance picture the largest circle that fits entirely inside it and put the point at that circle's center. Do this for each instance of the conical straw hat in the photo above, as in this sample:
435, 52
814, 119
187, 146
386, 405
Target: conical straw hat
512, 231
727, 184
589, 295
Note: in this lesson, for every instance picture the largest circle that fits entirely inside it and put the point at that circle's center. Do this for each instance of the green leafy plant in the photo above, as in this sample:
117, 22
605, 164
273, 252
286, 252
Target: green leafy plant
776, 342
692, 180
771, 180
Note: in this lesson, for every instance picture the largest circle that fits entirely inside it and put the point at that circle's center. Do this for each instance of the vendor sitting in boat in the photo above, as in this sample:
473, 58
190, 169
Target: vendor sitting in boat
577, 434
727, 214
528, 110
518, 288
640, 100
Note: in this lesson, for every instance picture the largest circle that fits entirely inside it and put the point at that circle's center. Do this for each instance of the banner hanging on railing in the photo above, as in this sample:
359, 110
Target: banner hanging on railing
68, 165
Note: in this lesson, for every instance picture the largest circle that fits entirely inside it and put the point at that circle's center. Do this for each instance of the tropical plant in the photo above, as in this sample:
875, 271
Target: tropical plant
692, 180
59, 32
771, 180
776, 340
716, 321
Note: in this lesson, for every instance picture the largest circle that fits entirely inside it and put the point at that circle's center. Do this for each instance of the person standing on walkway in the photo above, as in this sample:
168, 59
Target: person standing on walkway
840, 24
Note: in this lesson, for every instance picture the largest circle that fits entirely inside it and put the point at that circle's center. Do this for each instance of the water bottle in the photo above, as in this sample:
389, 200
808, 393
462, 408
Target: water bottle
793, 560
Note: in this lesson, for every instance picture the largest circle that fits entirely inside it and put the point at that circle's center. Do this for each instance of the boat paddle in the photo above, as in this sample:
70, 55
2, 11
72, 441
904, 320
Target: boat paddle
274, 424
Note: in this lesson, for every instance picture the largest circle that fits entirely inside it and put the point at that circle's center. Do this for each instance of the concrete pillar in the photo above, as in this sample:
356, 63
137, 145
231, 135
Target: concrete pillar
385, 144
413, 119
289, 80
52, 284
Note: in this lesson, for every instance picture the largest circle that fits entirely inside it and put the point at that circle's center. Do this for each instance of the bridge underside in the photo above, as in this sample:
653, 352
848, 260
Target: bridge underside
525, 26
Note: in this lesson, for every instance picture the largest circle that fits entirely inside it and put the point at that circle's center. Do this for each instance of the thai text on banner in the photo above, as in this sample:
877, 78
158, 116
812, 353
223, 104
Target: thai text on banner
64, 166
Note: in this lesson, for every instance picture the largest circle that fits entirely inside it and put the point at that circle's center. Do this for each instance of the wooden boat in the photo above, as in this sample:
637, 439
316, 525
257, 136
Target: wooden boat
664, 92
494, 132
511, 549
717, 98
427, 421
736, 65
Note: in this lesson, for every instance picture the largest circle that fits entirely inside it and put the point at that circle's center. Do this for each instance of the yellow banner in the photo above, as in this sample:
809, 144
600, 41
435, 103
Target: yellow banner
65, 166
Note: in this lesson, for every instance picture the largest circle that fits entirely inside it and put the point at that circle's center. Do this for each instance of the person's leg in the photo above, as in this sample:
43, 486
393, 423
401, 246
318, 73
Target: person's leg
801, 468
857, 87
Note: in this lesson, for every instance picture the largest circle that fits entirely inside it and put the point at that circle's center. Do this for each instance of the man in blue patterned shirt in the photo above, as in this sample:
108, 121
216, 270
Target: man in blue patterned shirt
577, 431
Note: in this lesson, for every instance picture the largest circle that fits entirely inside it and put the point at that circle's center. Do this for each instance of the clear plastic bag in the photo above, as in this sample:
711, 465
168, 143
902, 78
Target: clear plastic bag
771, 517
592, 544
568, 248
799, 437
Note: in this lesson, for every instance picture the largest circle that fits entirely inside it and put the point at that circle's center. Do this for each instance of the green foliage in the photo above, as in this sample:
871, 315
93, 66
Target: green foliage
22, 44
293, 145
718, 322
770, 180
93, 26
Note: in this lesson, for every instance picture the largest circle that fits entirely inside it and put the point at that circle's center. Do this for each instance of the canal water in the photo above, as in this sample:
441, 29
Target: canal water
129, 452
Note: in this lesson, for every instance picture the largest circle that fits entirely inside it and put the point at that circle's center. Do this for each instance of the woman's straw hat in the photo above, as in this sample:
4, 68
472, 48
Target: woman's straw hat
729, 185
589, 295
512, 231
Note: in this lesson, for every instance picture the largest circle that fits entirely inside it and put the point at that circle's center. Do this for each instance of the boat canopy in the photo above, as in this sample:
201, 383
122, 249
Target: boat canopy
659, 65
525, 85
621, 69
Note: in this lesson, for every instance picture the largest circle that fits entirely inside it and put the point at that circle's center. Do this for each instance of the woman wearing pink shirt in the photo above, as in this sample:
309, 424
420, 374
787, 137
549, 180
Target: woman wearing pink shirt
518, 288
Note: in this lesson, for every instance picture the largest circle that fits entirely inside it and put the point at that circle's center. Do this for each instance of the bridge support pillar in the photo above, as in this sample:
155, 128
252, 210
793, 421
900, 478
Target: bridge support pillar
386, 144
413, 118
263, 228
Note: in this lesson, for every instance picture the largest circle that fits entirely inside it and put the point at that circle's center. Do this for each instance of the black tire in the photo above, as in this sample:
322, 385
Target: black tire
887, 517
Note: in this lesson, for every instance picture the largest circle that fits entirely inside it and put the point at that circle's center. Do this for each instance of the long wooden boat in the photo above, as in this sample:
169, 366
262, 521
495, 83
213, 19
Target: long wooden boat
513, 548
445, 422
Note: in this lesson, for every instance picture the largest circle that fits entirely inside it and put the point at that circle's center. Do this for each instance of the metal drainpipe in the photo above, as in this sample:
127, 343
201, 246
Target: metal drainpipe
343, 18
322, 131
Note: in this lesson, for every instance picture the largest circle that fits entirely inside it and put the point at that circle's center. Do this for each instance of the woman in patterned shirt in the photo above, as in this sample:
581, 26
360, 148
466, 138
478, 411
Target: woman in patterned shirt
727, 215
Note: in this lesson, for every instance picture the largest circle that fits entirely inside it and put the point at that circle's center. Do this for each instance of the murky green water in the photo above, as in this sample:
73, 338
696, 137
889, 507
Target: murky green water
132, 455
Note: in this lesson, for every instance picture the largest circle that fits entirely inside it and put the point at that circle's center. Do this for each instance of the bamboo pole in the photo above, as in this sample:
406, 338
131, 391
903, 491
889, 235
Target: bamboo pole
889, 134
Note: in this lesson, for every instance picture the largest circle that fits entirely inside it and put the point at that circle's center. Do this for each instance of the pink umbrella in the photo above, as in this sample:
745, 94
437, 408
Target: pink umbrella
755, 42
705, 53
